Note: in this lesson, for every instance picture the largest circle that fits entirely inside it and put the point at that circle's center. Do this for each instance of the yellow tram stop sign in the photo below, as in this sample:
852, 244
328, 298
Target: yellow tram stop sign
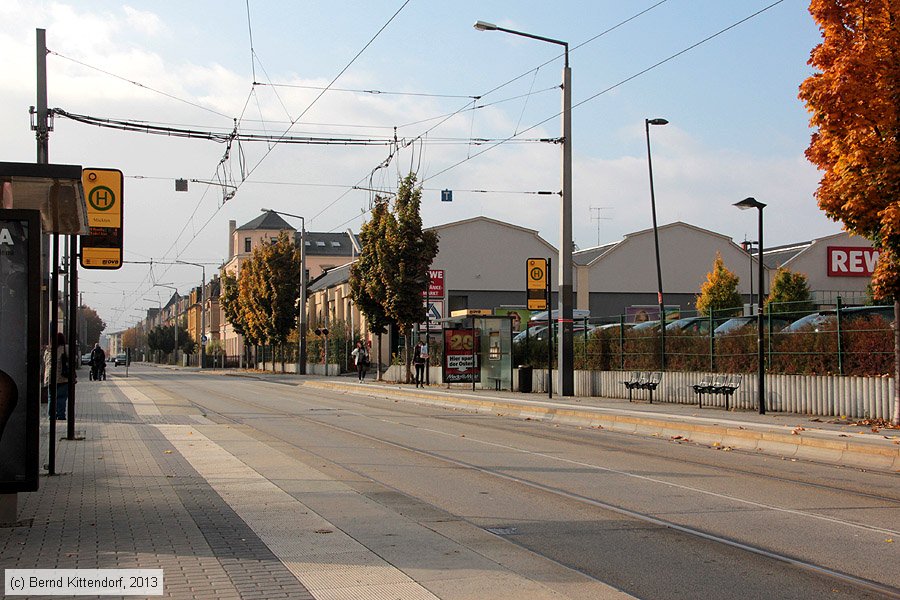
536, 283
103, 192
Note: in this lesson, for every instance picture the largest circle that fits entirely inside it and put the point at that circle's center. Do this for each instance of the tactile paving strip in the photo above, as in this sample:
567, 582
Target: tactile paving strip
327, 561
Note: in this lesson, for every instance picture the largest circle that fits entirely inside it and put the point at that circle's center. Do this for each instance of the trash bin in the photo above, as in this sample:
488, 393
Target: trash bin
525, 379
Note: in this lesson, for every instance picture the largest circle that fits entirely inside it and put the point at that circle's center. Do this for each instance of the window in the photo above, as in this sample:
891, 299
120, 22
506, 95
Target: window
320, 244
246, 244
335, 244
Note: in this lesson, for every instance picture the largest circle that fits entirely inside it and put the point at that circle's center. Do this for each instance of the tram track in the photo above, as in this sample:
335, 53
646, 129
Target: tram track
262, 410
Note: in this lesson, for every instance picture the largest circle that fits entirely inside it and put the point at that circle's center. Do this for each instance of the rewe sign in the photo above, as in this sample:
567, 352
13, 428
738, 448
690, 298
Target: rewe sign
436, 288
849, 261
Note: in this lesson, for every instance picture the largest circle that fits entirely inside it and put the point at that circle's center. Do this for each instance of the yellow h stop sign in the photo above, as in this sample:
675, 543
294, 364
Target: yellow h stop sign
536, 283
103, 190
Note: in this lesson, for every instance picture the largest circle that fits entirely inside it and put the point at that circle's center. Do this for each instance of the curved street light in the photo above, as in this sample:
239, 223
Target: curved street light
746, 204
566, 351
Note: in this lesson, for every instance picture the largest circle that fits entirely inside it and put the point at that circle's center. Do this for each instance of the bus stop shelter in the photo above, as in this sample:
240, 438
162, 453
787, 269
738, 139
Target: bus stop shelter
478, 351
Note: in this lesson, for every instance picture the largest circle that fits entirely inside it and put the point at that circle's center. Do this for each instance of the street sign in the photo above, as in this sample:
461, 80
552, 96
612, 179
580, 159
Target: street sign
446, 195
204, 340
435, 311
536, 283
103, 191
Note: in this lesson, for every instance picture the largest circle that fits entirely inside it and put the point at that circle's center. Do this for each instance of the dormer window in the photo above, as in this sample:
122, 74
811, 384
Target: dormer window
320, 244
335, 244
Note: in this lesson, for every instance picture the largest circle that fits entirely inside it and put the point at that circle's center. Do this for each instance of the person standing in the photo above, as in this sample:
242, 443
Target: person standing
361, 359
62, 378
419, 358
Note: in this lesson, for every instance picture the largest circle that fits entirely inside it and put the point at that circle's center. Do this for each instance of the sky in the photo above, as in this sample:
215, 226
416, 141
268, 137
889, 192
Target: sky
468, 110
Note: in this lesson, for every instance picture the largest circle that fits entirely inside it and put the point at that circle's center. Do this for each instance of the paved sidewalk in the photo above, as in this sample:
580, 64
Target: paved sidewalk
156, 484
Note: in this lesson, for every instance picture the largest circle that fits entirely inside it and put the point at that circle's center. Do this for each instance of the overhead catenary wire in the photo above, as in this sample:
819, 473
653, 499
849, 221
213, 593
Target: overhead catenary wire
616, 85
138, 84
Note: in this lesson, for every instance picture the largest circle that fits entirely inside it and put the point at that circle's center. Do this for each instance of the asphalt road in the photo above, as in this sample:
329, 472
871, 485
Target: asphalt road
656, 518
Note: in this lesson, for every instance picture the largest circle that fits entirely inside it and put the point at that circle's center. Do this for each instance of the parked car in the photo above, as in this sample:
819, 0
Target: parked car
738, 323
121, 359
86, 359
646, 326
539, 332
608, 326
690, 325
577, 314
815, 320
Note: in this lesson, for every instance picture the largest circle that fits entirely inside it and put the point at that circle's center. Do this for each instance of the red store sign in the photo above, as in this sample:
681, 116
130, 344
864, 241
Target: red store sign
436, 289
851, 261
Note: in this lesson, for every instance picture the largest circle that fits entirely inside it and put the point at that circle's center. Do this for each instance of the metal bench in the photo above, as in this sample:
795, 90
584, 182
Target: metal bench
720, 384
651, 383
643, 380
632, 383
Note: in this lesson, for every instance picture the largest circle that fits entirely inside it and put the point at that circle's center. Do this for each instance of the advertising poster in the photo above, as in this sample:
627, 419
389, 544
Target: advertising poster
461, 356
19, 357
520, 317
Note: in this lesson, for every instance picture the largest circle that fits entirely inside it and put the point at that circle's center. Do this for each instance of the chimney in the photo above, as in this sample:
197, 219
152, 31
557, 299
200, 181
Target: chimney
232, 225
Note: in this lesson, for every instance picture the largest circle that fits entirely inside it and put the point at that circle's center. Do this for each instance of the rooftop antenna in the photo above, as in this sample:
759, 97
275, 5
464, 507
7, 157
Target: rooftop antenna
599, 218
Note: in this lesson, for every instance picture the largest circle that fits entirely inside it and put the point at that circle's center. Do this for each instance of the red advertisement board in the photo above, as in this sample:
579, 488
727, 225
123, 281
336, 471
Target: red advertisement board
851, 261
461, 356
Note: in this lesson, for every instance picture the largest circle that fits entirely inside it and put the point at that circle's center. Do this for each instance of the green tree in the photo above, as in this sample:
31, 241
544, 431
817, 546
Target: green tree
366, 278
406, 254
719, 291
854, 100
161, 339
790, 294
268, 288
231, 305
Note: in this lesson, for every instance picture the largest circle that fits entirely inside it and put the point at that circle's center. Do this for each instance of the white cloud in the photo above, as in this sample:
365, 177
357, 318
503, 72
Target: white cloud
141, 20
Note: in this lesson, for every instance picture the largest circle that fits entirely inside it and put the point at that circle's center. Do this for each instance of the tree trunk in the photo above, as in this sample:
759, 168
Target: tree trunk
896, 419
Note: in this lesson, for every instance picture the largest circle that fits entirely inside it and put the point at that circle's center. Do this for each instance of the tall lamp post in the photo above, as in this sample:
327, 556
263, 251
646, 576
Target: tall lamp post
659, 284
175, 352
202, 310
301, 319
746, 204
566, 352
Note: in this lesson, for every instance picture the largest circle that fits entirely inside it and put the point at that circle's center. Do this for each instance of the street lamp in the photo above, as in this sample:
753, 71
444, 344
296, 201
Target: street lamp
745, 204
175, 352
659, 284
566, 351
301, 320
202, 310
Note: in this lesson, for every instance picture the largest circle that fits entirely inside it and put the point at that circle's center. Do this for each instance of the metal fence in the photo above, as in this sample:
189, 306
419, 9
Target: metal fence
828, 340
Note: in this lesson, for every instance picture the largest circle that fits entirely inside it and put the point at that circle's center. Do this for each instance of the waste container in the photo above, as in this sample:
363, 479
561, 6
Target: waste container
525, 379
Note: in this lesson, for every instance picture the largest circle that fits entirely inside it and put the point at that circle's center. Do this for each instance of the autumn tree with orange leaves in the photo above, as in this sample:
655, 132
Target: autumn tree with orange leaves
854, 99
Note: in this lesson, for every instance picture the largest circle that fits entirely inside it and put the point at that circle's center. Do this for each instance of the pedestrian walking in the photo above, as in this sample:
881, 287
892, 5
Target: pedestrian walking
420, 356
361, 358
98, 363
